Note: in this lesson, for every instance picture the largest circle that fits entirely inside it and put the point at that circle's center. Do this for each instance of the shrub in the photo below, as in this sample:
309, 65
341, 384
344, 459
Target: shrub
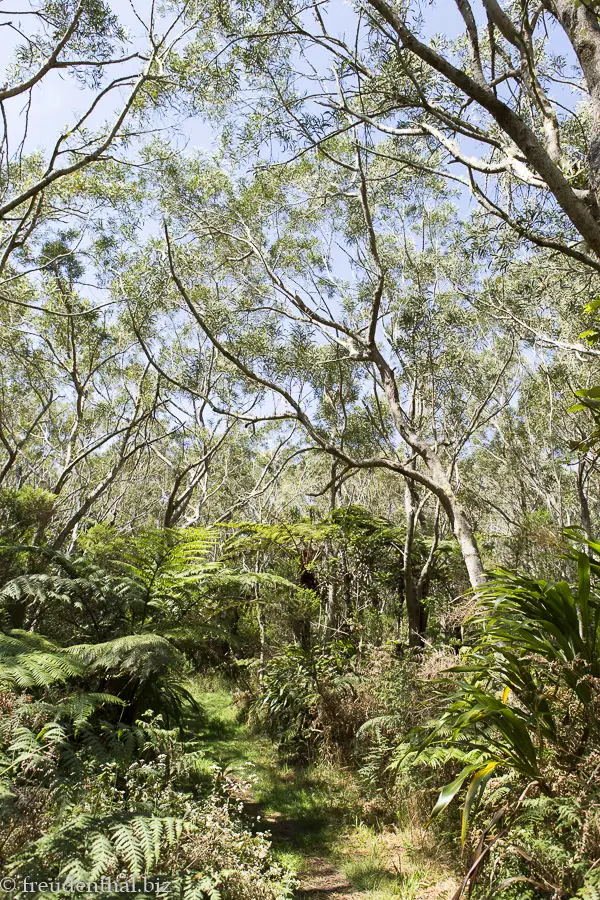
519, 715
301, 697
127, 804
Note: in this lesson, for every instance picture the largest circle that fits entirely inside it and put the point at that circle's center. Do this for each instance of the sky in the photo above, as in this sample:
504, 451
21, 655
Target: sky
58, 99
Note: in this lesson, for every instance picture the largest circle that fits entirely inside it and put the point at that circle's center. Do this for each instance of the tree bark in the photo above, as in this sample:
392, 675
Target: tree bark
461, 527
583, 30
584, 505
332, 591
415, 610
511, 122
440, 482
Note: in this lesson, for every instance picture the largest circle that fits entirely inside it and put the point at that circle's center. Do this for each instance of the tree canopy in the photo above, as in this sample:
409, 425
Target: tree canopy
300, 389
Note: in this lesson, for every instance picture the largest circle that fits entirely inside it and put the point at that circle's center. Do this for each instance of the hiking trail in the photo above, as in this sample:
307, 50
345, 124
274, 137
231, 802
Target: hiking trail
310, 816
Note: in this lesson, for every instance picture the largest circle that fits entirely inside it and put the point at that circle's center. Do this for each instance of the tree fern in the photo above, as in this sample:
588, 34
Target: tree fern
140, 655
28, 661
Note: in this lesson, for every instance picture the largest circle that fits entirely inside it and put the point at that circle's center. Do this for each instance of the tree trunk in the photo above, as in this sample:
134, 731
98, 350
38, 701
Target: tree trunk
438, 481
301, 626
415, 611
584, 505
461, 527
463, 532
583, 30
511, 122
332, 591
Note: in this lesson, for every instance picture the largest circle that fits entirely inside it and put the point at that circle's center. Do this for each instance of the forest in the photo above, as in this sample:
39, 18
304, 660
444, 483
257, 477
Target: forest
300, 449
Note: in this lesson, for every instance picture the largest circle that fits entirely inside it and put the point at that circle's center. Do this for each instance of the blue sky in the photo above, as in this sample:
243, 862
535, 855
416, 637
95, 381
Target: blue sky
58, 100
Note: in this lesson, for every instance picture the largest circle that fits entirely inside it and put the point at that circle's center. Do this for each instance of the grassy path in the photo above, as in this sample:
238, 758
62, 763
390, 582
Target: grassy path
311, 815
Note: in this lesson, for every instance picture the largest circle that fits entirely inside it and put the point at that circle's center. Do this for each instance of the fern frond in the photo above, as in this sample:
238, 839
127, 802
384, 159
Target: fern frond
143, 655
23, 665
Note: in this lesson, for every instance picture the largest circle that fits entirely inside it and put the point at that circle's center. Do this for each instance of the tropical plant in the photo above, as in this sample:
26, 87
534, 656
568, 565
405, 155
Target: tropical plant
91, 784
520, 707
300, 699
534, 665
132, 804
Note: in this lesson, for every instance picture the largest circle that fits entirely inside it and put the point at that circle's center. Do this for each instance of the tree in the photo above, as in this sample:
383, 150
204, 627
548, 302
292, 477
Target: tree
348, 333
84, 42
488, 90
78, 408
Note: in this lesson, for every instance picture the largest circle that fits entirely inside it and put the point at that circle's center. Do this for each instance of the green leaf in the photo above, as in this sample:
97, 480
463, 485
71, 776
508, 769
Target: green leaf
589, 393
476, 788
449, 791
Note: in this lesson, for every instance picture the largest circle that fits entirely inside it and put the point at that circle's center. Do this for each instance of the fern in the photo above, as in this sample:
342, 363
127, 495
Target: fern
29, 661
146, 669
102, 855
119, 789
87, 847
588, 892
142, 655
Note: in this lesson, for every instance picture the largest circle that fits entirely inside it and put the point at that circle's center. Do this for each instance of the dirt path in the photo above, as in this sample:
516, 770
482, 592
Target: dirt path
311, 817
322, 881
319, 878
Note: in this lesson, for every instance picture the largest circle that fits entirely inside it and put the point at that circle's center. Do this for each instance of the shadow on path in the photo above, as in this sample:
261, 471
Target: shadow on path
309, 814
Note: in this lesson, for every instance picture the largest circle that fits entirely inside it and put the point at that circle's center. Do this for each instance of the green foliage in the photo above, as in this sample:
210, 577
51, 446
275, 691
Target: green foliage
23, 511
30, 660
300, 697
138, 811
517, 723
91, 785
373, 376
535, 658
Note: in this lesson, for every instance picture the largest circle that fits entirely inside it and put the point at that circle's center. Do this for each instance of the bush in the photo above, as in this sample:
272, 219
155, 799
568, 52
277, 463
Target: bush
305, 700
128, 804
519, 717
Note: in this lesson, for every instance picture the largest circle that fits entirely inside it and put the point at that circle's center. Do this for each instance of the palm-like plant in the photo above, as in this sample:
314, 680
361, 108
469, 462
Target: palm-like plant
146, 671
523, 696
300, 696
116, 609
117, 616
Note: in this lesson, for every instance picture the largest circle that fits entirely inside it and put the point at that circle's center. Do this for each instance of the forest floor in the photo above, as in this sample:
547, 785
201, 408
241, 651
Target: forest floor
311, 815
